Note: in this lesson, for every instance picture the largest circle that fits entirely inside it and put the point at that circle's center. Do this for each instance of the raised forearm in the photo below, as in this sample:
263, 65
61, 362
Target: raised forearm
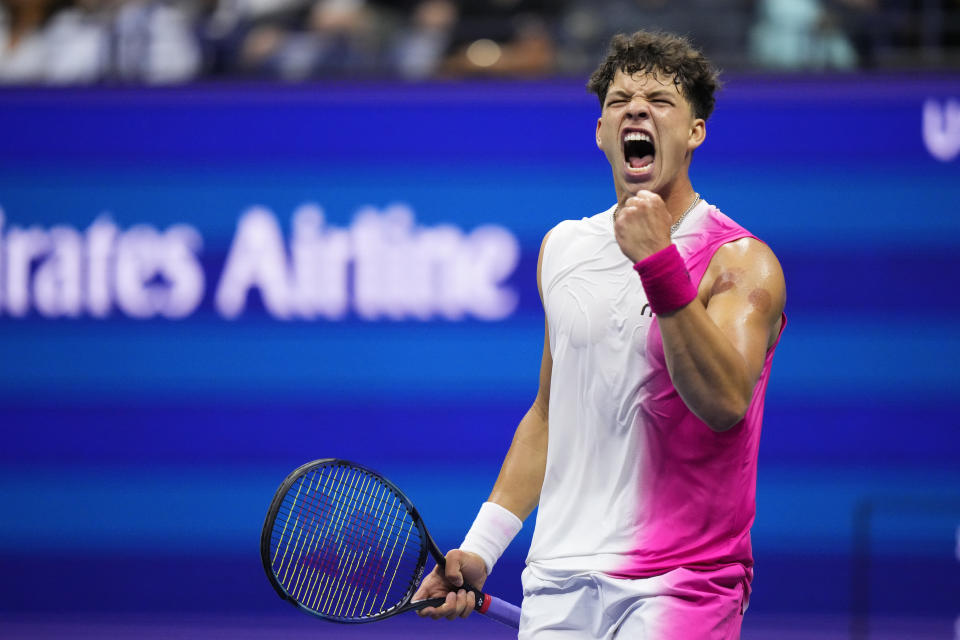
710, 374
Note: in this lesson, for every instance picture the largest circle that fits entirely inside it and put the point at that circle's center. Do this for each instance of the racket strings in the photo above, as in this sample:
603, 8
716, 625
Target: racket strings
340, 541
324, 504
360, 527
332, 563
311, 574
317, 581
369, 574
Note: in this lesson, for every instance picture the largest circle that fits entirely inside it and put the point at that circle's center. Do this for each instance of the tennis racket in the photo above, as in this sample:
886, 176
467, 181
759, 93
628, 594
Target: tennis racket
343, 543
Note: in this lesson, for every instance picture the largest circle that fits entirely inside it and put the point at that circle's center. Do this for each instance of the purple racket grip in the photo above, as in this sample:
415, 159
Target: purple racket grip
502, 612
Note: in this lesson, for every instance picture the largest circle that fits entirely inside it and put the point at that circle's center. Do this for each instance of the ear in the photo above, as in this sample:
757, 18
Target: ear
698, 133
599, 145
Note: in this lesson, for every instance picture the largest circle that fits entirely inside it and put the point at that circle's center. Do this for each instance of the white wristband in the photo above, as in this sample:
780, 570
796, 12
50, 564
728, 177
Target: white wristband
491, 532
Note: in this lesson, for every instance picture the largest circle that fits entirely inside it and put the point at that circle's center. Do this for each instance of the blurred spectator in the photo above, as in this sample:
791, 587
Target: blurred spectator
155, 41
862, 22
799, 34
300, 39
87, 41
263, 22
50, 42
174, 41
23, 50
343, 38
422, 45
504, 37
718, 27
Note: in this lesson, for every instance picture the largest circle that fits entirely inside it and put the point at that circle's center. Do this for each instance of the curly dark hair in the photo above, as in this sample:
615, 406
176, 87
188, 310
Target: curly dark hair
660, 52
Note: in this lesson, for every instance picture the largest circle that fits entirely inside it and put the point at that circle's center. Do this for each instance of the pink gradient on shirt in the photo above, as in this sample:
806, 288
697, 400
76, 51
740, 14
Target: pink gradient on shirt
701, 605
699, 486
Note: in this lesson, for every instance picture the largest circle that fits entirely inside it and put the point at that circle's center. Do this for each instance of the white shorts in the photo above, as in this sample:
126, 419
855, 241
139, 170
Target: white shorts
680, 605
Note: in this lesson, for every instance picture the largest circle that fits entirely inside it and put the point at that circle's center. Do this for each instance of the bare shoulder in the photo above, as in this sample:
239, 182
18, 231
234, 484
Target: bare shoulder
747, 254
748, 271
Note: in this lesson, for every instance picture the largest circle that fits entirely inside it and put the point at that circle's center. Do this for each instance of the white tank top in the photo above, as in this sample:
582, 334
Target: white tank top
621, 441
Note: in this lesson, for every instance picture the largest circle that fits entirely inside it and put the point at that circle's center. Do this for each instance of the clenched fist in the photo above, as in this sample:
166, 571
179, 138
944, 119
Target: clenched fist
642, 225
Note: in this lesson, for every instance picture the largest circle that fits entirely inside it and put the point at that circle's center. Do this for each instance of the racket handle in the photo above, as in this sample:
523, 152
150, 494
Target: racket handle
501, 611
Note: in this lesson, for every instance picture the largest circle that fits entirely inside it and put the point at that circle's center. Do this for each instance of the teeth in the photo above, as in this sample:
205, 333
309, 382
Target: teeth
634, 136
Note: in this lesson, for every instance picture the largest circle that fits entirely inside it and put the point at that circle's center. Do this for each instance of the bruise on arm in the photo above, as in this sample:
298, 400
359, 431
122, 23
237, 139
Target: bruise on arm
715, 348
761, 300
746, 297
725, 281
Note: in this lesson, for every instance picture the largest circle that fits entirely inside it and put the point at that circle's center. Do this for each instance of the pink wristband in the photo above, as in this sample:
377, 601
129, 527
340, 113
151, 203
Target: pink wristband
666, 281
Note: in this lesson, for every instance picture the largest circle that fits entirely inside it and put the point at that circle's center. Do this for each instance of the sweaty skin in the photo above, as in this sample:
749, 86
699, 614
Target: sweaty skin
714, 347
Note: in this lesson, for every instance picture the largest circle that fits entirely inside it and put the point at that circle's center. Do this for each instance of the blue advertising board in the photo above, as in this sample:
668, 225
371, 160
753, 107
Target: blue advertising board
224, 282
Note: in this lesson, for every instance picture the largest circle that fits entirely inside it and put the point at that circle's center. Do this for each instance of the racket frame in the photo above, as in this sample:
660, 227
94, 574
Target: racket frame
430, 545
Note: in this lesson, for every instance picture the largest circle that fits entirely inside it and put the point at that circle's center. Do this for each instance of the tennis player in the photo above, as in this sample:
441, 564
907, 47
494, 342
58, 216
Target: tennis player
662, 315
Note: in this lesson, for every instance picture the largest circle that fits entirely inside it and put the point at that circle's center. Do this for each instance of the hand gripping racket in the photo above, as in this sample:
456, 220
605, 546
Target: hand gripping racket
344, 544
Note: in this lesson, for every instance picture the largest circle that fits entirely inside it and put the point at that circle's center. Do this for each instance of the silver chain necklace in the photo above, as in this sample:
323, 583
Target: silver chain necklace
676, 225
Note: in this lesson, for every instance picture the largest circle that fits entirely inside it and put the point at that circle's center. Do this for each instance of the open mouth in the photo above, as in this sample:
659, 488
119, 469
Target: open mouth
638, 151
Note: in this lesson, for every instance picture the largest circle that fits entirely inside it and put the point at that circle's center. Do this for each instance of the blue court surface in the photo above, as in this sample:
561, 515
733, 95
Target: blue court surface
293, 627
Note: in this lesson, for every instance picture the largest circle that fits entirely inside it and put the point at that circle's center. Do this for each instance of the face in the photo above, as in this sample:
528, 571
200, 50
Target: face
648, 133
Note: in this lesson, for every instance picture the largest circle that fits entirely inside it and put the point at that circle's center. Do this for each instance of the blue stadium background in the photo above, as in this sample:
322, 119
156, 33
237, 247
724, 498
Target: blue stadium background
139, 456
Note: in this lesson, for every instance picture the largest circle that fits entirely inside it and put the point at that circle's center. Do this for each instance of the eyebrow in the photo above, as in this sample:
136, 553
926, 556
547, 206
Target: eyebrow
656, 93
